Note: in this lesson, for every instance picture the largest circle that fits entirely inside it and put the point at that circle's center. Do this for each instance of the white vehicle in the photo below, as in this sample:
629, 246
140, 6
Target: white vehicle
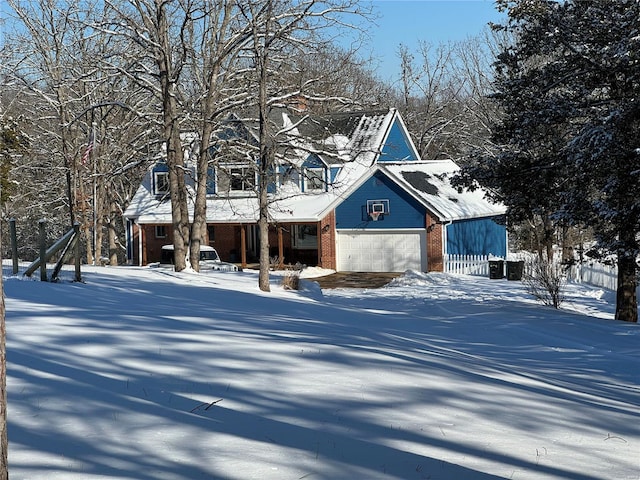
209, 258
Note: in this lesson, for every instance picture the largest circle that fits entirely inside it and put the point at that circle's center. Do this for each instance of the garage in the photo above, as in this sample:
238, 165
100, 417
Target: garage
381, 251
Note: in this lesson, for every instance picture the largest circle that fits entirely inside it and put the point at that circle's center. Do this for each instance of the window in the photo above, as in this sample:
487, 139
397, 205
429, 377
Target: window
236, 179
211, 233
305, 237
161, 231
314, 179
161, 183
211, 181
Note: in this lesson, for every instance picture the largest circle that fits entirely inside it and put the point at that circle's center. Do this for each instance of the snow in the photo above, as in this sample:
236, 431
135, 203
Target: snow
143, 373
357, 152
449, 202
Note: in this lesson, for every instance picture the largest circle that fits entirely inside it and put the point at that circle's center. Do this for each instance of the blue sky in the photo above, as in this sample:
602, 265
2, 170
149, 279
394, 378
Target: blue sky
435, 21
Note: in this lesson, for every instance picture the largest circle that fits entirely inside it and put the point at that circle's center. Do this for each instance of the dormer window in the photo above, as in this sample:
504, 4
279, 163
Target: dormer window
161, 183
314, 174
236, 179
314, 179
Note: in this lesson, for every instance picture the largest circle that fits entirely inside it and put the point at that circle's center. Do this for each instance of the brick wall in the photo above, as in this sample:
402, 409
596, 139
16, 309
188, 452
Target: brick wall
327, 243
227, 242
151, 246
435, 262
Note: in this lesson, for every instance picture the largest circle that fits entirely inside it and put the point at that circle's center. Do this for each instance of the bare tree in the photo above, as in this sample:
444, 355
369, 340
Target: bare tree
283, 30
216, 37
443, 95
82, 120
156, 58
42, 68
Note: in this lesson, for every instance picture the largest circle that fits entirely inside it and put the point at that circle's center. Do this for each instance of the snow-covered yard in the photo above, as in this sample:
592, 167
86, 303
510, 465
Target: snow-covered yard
141, 373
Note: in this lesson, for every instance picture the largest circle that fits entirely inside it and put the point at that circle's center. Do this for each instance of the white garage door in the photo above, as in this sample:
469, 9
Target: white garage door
381, 251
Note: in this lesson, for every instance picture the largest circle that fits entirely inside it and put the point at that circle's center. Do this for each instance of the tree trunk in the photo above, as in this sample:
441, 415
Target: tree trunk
199, 226
266, 155
99, 210
263, 225
4, 441
626, 297
113, 237
173, 142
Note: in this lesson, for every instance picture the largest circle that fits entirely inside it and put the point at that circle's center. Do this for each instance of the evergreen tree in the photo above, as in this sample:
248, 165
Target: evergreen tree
568, 144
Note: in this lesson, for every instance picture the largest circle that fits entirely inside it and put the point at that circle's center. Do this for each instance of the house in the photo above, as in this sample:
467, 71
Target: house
350, 194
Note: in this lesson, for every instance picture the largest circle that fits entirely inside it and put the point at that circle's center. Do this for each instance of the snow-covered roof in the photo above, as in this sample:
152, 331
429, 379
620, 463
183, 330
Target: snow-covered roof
289, 205
352, 141
430, 183
355, 141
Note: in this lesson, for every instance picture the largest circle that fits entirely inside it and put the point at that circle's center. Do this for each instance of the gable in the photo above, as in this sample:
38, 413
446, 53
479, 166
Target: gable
313, 161
430, 183
404, 210
397, 146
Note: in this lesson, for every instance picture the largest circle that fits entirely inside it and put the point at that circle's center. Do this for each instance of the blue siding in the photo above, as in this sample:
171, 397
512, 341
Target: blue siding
404, 211
397, 147
482, 236
313, 161
159, 167
333, 173
272, 186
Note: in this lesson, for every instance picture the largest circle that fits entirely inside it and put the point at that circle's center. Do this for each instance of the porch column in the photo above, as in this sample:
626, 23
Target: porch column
280, 247
243, 246
140, 246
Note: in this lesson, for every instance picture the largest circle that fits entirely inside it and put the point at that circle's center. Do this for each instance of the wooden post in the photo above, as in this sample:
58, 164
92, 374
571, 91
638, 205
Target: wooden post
43, 250
14, 244
76, 229
243, 246
280, 248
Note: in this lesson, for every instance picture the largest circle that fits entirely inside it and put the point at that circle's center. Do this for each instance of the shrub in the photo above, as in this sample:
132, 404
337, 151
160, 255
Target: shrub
291, 280
545, 281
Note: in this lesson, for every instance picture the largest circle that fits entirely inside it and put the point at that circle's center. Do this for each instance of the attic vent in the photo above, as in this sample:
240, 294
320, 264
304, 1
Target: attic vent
454, 199
420, 181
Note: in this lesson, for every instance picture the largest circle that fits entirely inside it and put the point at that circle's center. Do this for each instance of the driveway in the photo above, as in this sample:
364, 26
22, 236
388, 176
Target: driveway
355, 280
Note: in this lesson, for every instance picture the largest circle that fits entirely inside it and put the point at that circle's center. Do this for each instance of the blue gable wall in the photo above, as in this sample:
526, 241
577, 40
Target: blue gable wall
397, 147
404, 211
483, 236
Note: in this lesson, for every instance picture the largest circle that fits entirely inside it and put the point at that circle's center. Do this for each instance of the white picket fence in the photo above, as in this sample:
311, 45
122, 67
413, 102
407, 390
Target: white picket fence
467, 264
596, 274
